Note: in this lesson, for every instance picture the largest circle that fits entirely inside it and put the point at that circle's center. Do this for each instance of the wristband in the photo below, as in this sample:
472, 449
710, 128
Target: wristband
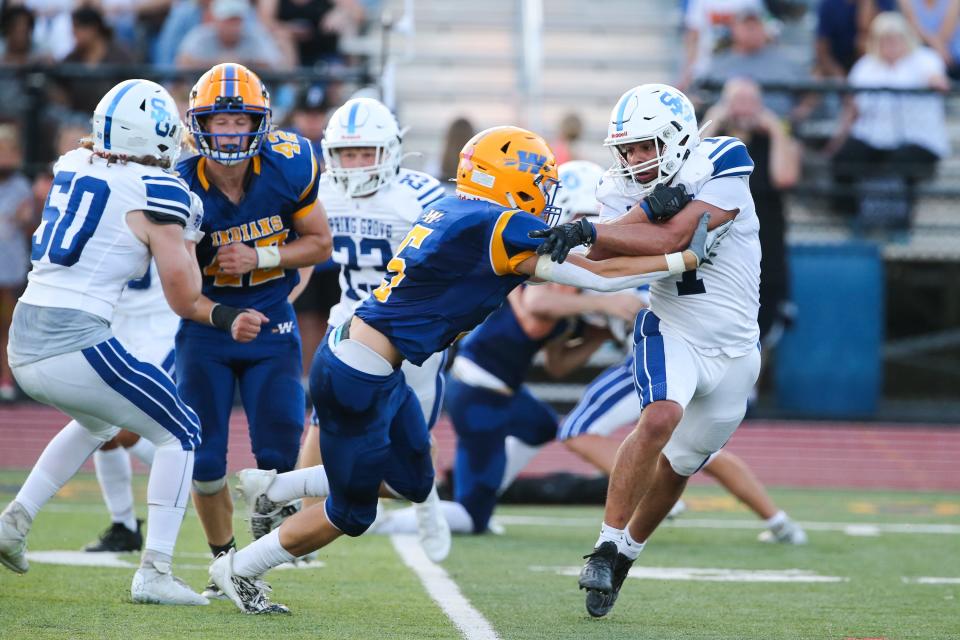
222, 316
675, 264
268, 257
586, 225
647, 210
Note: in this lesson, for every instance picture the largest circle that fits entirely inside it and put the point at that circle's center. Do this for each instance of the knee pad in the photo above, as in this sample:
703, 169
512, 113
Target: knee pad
353, 519
209, 487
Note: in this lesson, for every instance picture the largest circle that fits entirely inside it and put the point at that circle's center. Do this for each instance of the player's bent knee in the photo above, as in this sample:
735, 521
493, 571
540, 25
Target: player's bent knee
209, 487
282, 461
659, 420
685, 463
354, 520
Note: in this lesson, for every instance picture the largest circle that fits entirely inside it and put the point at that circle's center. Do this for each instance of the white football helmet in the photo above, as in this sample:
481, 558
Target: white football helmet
655, 112
362, 122
577, 195
138, 118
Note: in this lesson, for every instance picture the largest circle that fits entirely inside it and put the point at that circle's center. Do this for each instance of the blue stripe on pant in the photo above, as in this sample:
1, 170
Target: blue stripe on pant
482, 420
608, 389
147, 387
371, 430
650, 367
169, 365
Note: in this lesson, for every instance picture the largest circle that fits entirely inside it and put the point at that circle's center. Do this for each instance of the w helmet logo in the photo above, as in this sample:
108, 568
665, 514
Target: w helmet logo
528, 161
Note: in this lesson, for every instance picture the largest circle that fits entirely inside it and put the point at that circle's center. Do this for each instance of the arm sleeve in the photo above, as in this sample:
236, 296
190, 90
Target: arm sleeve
576, 276
510, 244
167, 196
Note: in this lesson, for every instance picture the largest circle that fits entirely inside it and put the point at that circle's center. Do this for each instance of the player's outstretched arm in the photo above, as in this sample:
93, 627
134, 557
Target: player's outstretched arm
614, 274
178, 270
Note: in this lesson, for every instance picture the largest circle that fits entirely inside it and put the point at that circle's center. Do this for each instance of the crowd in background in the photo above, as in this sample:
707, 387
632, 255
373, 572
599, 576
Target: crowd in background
877, 147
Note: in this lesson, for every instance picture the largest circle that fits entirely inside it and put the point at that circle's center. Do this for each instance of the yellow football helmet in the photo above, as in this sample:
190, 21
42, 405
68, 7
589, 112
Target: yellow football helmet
512, 167
229, 88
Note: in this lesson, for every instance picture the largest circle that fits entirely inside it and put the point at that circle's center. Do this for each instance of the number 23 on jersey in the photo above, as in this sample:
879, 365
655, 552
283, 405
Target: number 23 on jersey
398, 264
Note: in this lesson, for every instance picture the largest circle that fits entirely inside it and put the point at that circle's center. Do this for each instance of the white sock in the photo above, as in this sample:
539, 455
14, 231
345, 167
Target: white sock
405, 520
167, 492
114, 475
310, 482
630, 547
143, 451
519, 455
60, 461
609, 534
261, 556
776, 520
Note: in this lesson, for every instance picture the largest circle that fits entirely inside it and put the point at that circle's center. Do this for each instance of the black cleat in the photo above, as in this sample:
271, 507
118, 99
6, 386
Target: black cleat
118, 538
600, 604
597, 573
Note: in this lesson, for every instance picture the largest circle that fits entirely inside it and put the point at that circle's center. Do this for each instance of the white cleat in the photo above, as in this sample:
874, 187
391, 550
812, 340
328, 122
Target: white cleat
155, 584
789, 532
14, 526
677, 509
249, 594
433, 530
264, 513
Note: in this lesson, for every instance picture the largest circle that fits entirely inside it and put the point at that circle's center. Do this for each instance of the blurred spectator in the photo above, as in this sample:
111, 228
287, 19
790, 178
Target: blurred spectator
14, 261
565, 146
16, 27
458, 134
753, 54
314, 26
230, 36
842, 26
886, 135
94, 46
309, 117
184, 15
53, 26
937, 24
706, 23
776, 156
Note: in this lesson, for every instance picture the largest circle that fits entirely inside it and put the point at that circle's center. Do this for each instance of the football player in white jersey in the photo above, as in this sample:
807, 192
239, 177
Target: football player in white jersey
112, 205
610, 401
146, 327
371, 205
696, 348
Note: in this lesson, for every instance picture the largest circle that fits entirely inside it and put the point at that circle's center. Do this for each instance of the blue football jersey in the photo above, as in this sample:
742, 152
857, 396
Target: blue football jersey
457, 264
281, 187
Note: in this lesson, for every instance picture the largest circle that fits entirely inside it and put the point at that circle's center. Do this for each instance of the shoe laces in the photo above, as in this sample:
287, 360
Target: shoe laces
599, 552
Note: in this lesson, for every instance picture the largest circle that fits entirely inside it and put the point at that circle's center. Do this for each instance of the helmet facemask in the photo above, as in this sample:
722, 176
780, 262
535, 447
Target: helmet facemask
671, 151
356, 182
228, 154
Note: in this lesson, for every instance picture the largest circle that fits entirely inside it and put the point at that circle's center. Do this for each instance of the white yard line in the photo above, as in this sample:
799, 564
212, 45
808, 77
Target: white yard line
850, 528
701, 574
443, 590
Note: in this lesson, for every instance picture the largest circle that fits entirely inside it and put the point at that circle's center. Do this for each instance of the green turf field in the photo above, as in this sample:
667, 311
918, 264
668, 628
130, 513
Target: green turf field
518, 581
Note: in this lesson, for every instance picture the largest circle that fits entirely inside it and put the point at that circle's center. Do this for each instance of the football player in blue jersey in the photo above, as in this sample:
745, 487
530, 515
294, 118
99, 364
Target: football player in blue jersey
457, 264
263, 221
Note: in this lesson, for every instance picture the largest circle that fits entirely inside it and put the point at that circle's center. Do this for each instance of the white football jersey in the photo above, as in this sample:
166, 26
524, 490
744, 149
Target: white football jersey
367, 231
144, 296
83, 252
714, 308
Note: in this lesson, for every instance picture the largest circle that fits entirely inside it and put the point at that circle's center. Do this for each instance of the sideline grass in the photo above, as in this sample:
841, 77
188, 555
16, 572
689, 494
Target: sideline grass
364, 591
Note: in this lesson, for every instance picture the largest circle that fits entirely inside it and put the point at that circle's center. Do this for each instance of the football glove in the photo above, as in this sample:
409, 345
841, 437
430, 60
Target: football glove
560, 239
